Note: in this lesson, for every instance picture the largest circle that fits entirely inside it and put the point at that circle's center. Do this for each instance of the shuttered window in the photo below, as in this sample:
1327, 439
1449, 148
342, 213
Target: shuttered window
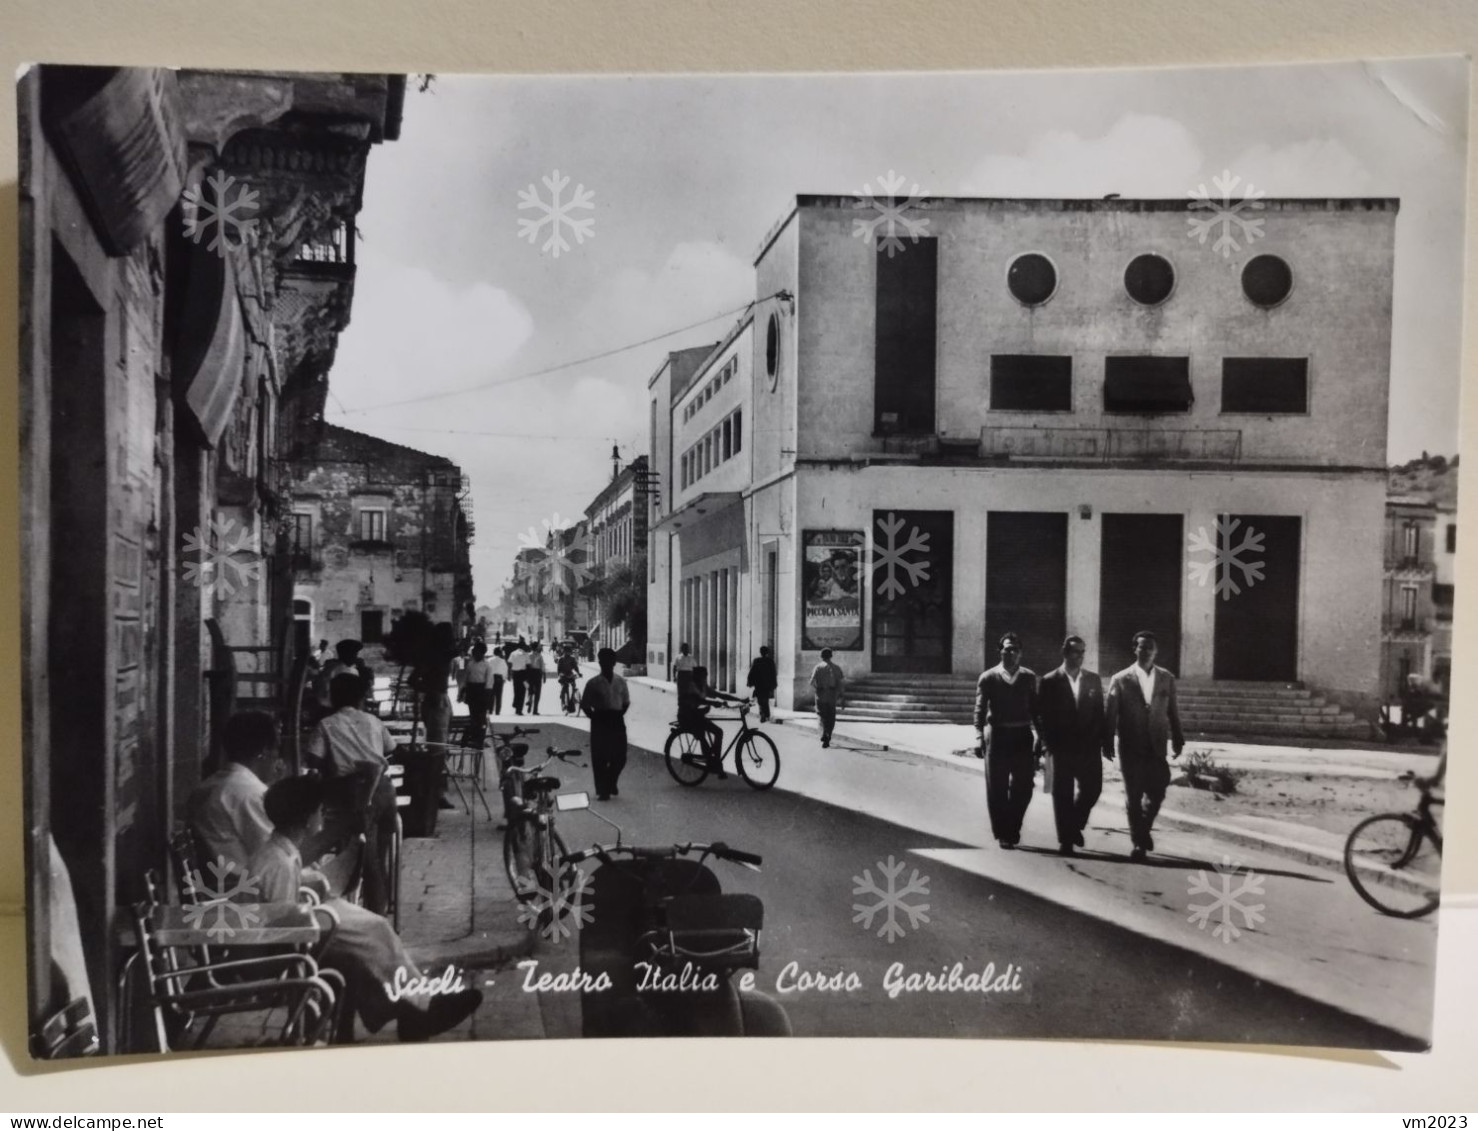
1031, 383
907, 293
1265, 384
1147, 385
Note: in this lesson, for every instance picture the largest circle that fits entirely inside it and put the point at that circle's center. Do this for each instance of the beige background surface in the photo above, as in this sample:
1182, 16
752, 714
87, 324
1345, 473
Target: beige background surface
753, 35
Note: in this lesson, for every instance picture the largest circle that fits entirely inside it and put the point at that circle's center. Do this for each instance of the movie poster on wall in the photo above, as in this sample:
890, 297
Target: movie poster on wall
832, 588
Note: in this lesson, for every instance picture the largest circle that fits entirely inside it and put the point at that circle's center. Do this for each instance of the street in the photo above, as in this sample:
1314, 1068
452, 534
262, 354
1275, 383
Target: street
1096, 945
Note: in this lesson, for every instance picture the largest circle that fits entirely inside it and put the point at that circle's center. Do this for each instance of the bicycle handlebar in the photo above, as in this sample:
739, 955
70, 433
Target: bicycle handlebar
605, 852
516, 732
562, 755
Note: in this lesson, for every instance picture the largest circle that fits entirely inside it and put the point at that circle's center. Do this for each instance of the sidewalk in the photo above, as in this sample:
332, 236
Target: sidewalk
1311, 933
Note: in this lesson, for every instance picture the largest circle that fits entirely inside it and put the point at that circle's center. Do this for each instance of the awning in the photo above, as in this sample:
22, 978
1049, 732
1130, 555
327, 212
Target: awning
1147, 384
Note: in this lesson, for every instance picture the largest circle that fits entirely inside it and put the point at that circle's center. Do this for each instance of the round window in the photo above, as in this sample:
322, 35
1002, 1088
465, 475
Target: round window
1149, 279
1032, 278
772, 349
1266, 280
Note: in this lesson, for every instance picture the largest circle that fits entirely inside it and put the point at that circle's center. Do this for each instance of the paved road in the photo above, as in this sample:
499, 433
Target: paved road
1079, 975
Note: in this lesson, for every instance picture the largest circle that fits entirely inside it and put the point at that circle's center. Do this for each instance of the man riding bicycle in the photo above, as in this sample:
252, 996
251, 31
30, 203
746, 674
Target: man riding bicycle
569, 675
694, 700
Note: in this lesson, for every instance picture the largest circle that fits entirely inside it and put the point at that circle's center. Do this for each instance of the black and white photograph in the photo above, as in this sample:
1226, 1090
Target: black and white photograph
892, 555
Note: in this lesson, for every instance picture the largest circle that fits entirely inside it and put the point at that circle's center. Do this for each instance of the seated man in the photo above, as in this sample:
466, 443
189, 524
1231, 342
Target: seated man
352, 743
694, 699
363, 947
226, 810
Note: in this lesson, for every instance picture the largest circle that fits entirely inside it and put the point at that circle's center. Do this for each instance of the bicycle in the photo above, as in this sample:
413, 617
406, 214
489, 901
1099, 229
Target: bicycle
755, 755
1389, 863
568, 699
531, 846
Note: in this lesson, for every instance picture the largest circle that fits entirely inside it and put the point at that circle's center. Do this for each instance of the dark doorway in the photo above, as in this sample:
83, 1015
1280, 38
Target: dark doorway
1026, 585
1139, 587
1257, 627
911, 624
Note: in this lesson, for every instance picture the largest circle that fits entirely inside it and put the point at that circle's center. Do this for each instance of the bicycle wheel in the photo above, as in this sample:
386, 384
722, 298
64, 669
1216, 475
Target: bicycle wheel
685, 760
757, 759
1393, 865
519, 849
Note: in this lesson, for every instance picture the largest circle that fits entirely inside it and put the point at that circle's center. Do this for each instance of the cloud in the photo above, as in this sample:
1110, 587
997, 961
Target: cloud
1140, 155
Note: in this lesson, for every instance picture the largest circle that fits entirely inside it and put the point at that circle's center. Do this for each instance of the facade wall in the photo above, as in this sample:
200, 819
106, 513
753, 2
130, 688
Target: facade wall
1338, 315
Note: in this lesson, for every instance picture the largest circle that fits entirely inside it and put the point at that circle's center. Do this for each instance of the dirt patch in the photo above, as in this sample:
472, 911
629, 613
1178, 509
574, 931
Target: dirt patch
1333, 804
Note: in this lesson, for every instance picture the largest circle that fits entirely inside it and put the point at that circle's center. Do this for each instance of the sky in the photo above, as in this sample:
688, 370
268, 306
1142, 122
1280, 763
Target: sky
687, 173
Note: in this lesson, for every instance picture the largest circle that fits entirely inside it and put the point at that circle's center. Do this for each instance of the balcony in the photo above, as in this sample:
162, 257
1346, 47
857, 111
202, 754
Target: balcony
1404, 628
302, 561
1108, 445
1409, 567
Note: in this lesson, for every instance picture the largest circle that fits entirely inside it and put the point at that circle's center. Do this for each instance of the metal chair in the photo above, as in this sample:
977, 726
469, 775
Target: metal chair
190, 988
70, 1031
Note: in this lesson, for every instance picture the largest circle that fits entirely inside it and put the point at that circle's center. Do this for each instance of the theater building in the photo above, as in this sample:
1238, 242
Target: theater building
1048, 416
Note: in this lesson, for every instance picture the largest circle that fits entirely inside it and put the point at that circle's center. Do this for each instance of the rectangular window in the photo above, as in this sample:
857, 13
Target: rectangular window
371, 626
1265, 384
1029, 383
1442, 599
302, 535
1147, 385
1452, 537
905, 331
738, 430
728, 439
707, 453
1408, 604
1410, 540
372, 525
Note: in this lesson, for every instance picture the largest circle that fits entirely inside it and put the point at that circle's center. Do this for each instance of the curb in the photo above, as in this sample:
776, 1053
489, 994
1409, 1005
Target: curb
477, 951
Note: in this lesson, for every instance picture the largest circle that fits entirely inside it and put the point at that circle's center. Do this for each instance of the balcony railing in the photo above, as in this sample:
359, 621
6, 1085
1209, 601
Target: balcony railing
301, 561
1220, 445
334, 247
1405, 626
1408, 564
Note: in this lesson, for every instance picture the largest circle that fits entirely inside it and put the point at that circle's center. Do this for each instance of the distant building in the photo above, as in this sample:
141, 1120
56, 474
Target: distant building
1041, 416
379, 529
617, 531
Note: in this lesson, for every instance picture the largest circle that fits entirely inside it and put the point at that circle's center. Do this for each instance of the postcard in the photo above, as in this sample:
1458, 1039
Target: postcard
892, 555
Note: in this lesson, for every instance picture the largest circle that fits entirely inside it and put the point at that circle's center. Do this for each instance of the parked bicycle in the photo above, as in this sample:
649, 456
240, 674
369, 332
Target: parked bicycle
661, 942
531, 846
1394, 860
755, 755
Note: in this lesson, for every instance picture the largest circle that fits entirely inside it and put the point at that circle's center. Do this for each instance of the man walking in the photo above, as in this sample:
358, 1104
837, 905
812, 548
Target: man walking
1143, 713
683, 662
1005, 708
498, 667
763, 679
827, 679
1070, 714
605, 702
535, 674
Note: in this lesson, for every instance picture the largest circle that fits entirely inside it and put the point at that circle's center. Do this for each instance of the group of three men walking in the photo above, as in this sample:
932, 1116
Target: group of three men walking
1070, 718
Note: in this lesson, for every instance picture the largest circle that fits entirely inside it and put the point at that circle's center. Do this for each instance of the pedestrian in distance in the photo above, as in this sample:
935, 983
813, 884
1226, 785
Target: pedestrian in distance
1071, 723
763, 679
537, 671
827, 680
1142, 713
1005, 711
518, 670
605, 701
477, 691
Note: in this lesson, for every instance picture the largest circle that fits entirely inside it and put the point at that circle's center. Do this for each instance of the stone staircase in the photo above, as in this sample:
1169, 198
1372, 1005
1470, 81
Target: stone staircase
1268, 710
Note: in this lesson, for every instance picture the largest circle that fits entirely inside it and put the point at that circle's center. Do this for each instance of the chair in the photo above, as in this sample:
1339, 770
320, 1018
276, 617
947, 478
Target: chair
464, 765
190, 988
70, 1031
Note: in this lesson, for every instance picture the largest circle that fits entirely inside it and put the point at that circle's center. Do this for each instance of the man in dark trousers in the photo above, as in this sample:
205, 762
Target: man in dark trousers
1070, 720
763, 679
1005, 709
605, 702
1142, 712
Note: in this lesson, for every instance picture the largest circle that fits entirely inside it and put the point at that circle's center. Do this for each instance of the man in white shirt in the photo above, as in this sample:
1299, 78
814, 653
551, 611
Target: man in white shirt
535, 674
352, 742
498, 666
518, 668
1142, 712
605, 701
1070, 721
